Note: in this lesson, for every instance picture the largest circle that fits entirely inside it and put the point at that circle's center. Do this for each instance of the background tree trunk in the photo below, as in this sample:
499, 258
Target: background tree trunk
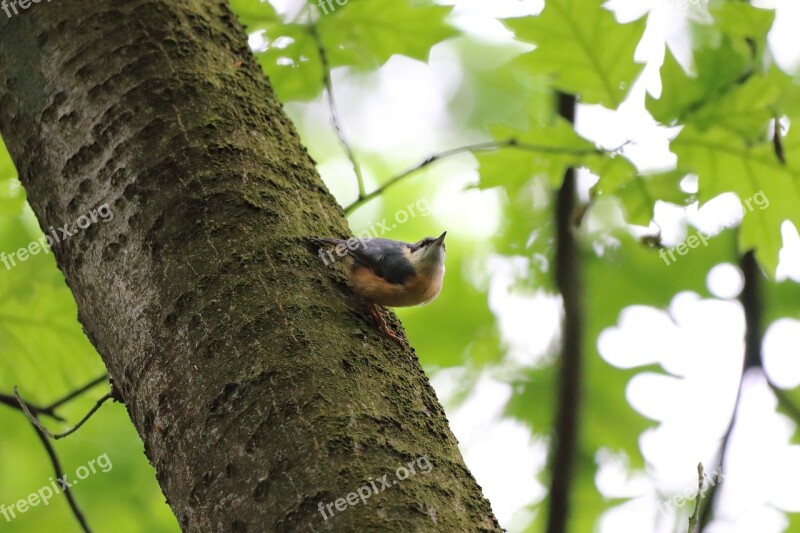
258, 389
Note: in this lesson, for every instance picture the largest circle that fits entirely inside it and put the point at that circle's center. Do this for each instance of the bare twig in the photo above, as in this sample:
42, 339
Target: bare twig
33, 412
11, 401
750, 299
364, 197
73, 505
565, 445
777, 143
337, 124
694, 519
479, 147
78, 392
50, 410
35, 421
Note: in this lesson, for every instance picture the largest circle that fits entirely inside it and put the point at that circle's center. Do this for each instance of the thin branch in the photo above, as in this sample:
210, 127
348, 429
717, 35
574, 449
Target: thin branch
693, 520
50, 410
76, 511
750, 299
35, 421
12, 402
51, 452
82, 421
777, 143
33, 412
707, 507
78, 392
479, 147
364, 197
566, 439
337, 124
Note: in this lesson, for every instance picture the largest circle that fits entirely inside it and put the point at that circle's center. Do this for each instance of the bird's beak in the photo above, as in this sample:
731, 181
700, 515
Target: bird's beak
440, 240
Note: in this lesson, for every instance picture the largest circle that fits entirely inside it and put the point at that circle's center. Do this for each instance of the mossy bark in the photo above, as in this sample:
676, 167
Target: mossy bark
257, 386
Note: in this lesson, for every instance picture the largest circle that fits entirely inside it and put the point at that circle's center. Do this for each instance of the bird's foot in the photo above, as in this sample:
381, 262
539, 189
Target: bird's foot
382, 326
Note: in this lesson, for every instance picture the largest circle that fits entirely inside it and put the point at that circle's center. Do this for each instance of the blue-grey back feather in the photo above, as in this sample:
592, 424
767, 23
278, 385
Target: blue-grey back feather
385, 257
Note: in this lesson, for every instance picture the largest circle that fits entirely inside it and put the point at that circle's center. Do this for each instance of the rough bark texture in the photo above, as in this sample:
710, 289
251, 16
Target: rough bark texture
257, 387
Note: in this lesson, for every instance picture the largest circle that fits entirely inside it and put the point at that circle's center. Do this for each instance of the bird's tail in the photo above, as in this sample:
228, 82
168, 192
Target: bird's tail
325, 242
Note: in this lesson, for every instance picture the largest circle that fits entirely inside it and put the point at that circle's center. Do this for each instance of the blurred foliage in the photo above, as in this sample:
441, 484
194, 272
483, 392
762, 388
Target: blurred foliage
44, 351
583, 49
362, 34
726, 103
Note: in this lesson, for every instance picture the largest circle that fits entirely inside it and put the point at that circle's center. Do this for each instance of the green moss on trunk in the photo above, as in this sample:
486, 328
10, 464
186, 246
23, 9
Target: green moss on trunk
258, 389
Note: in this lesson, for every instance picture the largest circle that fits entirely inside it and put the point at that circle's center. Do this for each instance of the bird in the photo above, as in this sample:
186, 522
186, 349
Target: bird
388, 272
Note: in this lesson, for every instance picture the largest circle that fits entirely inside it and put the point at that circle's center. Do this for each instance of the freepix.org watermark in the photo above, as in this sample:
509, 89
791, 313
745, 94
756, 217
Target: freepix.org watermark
327, 6
54, 236
693, 241
10, 6
56, 486
690, 494
402, 216
375, 486
684, 4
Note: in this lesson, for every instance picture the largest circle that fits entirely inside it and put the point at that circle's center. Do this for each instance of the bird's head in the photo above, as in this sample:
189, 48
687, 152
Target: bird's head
428, 254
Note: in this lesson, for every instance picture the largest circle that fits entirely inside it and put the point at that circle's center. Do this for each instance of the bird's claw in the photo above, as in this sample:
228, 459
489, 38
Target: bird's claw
383, 327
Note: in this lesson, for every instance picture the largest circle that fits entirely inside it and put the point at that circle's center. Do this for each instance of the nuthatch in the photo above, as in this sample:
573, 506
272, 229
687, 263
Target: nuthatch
390, 273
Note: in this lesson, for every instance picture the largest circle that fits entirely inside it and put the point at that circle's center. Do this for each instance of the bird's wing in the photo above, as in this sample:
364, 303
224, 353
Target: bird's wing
385, 258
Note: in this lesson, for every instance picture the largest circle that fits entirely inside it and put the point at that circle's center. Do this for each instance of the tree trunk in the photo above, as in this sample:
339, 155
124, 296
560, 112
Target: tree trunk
259, 390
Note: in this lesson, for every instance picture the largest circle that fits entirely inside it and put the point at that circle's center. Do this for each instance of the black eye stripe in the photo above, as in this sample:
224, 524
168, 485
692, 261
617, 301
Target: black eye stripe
424, 242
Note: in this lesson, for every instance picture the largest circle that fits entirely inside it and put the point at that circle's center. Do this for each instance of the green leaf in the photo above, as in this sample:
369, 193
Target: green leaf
747, 108
585, 50
254, 14
360, 34
41, 340
726, 163
794, 522
639, 195
725, 94
366, 33
718, 70
292, 62
631, 274
505, 168
499, 87
782, 298
533, 398
543, 150
626, 274
744, 21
